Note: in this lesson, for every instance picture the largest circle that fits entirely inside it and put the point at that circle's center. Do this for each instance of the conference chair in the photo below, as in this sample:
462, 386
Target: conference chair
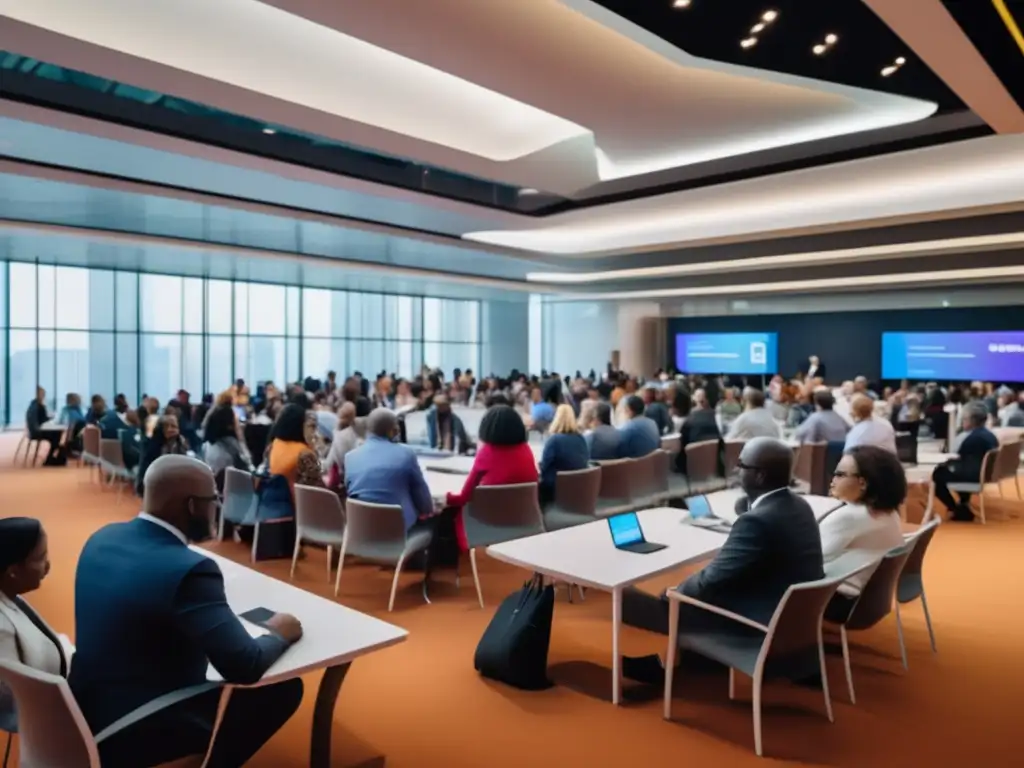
376, 532
672, 443
113, 466
733, 449
986, 476
906, 447
90, 455
27, 441
498, 513
702, 464
876, 601
809, 467
910, 586
790, 646
616, 494
238, 498
575, 501
1008, 464
647, 487
319, 519
52, 730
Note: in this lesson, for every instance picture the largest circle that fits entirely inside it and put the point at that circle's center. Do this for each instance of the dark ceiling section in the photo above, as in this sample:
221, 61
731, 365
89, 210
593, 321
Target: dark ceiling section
860, 54
983, 22
28, 80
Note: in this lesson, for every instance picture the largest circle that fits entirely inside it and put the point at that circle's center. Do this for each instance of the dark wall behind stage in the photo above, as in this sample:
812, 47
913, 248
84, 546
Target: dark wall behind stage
848, 343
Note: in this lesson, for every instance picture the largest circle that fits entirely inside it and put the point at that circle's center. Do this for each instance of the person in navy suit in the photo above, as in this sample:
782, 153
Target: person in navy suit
970, 447
384, 472
151, 615
639, 436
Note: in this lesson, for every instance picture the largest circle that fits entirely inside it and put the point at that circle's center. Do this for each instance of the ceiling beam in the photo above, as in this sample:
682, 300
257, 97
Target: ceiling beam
934, 36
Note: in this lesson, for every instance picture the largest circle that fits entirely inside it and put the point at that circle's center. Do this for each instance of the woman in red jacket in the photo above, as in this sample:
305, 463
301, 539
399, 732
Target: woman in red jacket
504, 458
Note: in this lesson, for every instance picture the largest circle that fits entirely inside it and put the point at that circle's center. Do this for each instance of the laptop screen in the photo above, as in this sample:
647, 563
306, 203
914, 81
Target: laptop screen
625, 529
698, 506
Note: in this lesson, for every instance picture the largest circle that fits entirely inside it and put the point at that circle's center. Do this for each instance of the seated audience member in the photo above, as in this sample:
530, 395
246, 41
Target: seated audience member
445, 431
587, 420
639, 435
382, 397
868, 429
240, 393
24, 636
151, 613
656, 411
97, 410
404, 398
166, 440
504, 458
802, 407
565, 449
729, 408
128, 435
223, 448
699, 426
121, 404
970, 446
35, 418
860, 387
542, 409
872, 483
325, 416
111, 423
289, 453
71, 413
350, 435
603, 440
382, 471
1013, 414
149, 414
756, 420
824, 425
770, 547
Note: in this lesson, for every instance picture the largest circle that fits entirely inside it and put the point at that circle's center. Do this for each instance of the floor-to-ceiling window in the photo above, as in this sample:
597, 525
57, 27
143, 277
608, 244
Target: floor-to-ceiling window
92, 331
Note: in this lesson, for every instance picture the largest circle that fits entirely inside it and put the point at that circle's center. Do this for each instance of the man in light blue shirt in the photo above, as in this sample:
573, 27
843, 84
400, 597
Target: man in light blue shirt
824, 425
868, 430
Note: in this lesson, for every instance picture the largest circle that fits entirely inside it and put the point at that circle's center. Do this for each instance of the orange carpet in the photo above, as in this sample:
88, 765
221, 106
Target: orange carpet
422, 704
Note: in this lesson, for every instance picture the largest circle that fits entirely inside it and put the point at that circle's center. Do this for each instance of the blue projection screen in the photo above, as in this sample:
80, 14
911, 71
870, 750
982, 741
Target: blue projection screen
752, 353
981, 355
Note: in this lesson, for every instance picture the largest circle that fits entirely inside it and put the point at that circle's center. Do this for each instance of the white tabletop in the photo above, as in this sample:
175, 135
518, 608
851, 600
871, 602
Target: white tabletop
442, 483
331, 633
723, 503
928, 457
461, 464
584, 554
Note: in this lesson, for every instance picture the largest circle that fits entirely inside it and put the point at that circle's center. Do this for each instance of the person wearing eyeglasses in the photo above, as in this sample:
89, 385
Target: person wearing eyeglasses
774, 544
873, 484
151, 614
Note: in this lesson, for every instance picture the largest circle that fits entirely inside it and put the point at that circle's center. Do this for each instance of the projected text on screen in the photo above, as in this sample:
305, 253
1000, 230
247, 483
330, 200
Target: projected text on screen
751, 353
967, 356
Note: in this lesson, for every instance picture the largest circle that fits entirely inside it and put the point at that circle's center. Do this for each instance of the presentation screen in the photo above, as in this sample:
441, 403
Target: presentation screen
752, 353
981, 355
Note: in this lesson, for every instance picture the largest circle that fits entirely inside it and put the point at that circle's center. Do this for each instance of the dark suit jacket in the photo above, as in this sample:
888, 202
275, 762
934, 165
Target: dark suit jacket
658, 413
770, 547
149, 614
972, 452
700, 425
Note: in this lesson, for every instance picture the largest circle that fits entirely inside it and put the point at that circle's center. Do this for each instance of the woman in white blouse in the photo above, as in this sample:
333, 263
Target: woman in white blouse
872, 483
24, 636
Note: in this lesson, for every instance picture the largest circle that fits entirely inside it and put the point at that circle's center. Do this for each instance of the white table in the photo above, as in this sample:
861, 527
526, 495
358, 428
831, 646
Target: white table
933, 458
333, 636
461, 464
585, 555
442, 483
723, 503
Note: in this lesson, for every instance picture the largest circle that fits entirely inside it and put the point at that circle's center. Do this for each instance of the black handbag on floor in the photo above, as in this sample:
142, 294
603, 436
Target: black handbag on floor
514, 647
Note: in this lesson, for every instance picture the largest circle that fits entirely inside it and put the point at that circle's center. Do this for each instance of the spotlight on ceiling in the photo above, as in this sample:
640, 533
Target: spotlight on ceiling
892, 69
757, 27
748, 42
900, 61
681, 3
769, 16
270, 131
887, 71
831, 39
820, 49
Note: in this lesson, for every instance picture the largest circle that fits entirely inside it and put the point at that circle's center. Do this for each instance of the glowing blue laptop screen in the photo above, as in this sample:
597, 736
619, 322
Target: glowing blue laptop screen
625, 529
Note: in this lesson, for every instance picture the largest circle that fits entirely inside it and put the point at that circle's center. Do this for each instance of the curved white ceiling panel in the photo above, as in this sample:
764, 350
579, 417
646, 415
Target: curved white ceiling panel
938, 180
487, 89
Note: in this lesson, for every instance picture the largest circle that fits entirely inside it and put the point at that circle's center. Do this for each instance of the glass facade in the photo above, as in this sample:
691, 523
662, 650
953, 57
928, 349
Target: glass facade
94, 331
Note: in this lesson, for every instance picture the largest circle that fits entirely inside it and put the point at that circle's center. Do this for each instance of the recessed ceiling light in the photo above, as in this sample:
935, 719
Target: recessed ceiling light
270, 131
830, 39
888, 71
900, 61
945, 302
819, 49
769, 16
681, 4
749, 42
757, 28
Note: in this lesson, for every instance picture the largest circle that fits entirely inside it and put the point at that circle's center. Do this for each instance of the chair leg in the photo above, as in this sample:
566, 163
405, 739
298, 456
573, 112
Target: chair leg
583, 595
35, 456
824, 677
330, 555
757, 715
732, 684
846, 662
255, 542
899, 632
295, 558
670, 656
476, 577
341, 563
1016, 482
426, 575
928, 621
981, 504
394, 583
7, 752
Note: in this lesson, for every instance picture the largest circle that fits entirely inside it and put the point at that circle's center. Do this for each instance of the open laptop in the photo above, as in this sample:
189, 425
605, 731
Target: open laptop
627, 534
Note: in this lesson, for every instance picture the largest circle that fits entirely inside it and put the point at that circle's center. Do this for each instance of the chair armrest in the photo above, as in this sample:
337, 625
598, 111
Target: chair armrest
679, 597
158, 704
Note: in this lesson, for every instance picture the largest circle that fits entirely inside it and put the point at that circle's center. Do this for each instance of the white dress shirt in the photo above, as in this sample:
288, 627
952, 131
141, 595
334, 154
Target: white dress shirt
764, 496
165, 525
854, 527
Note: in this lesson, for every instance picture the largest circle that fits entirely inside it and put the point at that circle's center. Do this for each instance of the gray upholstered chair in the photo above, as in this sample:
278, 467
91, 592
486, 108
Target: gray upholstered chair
498, 513
377, 532
733, 449
575, 501
239, 496
112, 465
702, 467
646, 486
90, 455
986, 476
46, 708
671, 443
616, 495
790, 646
319, 519
910, 586
876, 601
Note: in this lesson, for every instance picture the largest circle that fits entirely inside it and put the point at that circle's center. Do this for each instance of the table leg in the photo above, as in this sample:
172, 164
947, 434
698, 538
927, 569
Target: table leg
323, 715
616, 655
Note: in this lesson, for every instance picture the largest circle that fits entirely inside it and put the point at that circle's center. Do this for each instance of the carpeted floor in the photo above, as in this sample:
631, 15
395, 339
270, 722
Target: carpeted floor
422, 704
